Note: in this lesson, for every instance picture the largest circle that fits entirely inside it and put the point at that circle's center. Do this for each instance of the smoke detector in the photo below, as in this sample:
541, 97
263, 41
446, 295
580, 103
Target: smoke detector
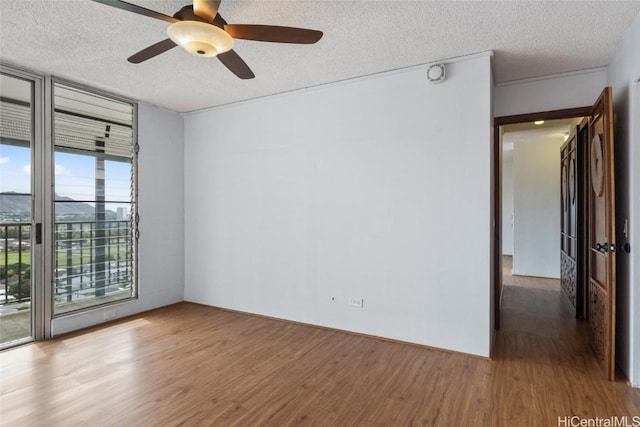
436, 73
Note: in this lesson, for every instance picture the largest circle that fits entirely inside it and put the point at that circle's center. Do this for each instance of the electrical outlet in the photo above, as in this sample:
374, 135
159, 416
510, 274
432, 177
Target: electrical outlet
356, 302
109, 314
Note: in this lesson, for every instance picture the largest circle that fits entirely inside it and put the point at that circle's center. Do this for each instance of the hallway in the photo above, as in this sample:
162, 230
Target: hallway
543, 353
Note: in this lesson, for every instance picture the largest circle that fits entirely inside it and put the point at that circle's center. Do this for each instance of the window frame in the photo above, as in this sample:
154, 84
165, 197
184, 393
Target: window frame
135, 211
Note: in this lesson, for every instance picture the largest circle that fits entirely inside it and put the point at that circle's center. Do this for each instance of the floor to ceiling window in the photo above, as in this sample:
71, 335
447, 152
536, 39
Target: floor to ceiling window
94, 192
68, 217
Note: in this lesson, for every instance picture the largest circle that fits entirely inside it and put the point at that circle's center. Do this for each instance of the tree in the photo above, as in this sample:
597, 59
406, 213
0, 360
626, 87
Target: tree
20, 289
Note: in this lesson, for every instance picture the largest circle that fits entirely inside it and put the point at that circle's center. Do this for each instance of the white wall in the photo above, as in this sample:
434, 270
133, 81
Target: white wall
369, 188
622, 73
536, 208
557, 92
161, 207
507, 203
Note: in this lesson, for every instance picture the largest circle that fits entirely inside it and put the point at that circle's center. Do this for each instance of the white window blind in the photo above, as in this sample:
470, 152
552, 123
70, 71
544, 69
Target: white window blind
15, 122
92, 123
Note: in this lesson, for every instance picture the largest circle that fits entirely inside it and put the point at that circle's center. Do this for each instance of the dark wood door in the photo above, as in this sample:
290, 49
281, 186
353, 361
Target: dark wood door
601, 231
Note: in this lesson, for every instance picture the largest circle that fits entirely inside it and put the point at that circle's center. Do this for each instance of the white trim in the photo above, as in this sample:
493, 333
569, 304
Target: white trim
94, 309
634, 238
552, 76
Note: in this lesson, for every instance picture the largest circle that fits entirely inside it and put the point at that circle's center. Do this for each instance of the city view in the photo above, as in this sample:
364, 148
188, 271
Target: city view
92, 241
66, 228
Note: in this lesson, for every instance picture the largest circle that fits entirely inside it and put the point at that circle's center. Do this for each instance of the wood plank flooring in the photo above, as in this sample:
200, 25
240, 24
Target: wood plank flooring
192, 365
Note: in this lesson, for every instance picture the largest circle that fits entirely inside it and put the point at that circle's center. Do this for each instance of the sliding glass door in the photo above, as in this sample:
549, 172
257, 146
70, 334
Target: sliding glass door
19, 201
68, 217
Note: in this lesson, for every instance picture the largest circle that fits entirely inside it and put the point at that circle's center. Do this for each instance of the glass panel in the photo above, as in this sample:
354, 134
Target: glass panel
16, 130
94, 232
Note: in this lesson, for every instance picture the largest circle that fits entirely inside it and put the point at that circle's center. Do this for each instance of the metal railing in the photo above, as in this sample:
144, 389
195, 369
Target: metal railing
92, 259
15, 262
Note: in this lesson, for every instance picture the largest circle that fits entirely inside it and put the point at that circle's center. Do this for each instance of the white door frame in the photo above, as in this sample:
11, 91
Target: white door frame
634, 227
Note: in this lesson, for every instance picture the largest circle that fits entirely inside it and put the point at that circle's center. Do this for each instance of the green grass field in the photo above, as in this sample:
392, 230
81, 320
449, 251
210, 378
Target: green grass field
11, 258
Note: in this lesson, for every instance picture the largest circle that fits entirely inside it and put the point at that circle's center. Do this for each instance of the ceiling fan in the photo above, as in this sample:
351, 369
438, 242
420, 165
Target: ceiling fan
200, 30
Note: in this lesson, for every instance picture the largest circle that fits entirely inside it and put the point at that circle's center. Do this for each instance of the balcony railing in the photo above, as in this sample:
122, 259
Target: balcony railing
92, 260
15, 259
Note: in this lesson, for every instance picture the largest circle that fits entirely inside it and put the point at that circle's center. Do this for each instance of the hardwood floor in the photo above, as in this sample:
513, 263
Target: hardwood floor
194, 365
508, 279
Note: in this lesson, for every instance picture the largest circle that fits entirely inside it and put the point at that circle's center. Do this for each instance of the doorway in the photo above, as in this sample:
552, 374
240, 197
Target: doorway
524, 121
599, 236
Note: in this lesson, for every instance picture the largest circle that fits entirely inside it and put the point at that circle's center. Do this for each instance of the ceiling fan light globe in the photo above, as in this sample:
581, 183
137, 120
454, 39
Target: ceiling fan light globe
199, 38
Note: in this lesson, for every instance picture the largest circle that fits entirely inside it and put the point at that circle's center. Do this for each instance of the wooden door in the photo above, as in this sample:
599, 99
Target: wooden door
601, 224
584, 188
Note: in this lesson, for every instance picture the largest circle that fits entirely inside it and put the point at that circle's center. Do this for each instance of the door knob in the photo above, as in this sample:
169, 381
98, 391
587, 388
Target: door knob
624, 248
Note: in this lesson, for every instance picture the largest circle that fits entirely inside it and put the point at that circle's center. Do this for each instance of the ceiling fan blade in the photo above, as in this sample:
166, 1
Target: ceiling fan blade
151, 51
273, 33
137, 9
207, 9
236, 65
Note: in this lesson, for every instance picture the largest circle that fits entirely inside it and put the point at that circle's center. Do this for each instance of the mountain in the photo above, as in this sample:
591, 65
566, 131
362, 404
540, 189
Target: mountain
14, 203
70, 206
18, 205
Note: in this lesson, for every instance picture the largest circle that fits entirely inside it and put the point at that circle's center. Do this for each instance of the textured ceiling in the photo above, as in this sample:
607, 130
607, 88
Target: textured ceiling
87, 42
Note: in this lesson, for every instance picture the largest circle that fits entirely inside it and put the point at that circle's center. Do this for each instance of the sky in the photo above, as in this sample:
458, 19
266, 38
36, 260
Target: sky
74, 175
